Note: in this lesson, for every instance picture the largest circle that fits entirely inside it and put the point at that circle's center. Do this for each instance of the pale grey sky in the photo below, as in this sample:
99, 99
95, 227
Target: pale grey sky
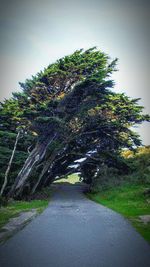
35, 33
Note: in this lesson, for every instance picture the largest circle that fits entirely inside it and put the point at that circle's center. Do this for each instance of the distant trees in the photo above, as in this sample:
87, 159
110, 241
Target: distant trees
68, 111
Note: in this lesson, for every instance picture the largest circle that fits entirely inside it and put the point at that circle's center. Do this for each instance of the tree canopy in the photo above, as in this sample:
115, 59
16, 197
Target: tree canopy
66, 112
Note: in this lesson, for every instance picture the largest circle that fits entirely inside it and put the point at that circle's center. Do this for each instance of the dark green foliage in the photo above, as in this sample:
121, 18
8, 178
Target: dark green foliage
139, 164
7, 140
132, 167
70, 109
3, 202
18, 161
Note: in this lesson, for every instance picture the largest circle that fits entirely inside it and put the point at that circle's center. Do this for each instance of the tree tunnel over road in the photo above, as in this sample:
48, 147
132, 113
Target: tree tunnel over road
70, 111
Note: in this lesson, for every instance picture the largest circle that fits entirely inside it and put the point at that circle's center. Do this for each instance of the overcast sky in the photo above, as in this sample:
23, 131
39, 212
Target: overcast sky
35, 33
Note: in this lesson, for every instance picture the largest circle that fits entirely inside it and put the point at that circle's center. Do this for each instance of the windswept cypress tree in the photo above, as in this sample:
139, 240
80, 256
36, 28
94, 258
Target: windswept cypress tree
69, 110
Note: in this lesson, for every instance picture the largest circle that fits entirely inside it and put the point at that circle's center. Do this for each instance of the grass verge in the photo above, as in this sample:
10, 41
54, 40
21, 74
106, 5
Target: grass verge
14, 208
129, 201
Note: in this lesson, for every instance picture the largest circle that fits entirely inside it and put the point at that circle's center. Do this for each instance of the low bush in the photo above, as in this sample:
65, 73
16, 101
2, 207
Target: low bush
138, 164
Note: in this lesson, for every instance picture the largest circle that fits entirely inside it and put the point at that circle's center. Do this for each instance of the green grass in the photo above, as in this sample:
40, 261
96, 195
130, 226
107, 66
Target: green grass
71, 179
128, 200
15, 207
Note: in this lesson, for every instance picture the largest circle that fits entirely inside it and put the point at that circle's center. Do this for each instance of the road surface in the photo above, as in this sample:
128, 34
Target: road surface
76, 232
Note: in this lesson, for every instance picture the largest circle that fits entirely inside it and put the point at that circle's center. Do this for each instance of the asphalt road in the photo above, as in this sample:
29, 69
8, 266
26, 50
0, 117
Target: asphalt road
76, 232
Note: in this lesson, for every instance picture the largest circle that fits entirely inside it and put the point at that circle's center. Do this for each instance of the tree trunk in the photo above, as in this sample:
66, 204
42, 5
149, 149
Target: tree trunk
47, 166
35, 156
9, 165
49, 180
